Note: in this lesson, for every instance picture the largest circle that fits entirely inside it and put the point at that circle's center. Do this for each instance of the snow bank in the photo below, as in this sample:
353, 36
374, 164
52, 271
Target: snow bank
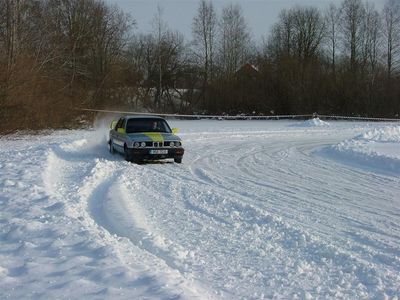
378, 148
315, 122
387, 134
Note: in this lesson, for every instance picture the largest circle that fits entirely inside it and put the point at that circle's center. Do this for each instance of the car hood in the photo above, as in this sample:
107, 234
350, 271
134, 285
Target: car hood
153, 137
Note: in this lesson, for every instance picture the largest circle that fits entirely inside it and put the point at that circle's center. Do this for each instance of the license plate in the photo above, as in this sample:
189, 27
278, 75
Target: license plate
158, 151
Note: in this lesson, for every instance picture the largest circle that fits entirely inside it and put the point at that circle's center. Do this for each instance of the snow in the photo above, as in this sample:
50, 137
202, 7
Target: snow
314, 122
377, 148
257, 210
387, 134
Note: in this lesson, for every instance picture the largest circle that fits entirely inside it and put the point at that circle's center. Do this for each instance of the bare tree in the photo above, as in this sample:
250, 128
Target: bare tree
147, 55
299, 32
309, 29
173, 62
88, 36
391, 30
69, 25
9, 12
159, 30
204, 30
279, 41
332, 22
109, 36
285, 32
351, 27
234, 39
372, 28
22, 35
142, 55
15, 31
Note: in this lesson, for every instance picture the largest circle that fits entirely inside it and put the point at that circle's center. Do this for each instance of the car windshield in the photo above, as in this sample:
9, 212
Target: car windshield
147, 125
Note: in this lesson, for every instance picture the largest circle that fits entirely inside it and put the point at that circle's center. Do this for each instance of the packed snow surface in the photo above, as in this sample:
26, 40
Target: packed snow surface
377, 148
257, 210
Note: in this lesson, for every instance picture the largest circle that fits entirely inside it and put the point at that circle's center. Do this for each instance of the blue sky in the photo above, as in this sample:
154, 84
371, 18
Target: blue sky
178, 14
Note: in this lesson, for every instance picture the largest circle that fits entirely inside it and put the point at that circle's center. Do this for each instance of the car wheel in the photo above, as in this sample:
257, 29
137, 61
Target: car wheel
127, 155
111, 147
178, 160
137, 161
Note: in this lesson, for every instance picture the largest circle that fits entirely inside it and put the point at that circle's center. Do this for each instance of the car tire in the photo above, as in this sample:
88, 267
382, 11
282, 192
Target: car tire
111, 147
137, 161
127, 155
178, 160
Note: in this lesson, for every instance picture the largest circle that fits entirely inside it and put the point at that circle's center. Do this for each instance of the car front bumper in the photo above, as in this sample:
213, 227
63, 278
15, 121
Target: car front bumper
156, 153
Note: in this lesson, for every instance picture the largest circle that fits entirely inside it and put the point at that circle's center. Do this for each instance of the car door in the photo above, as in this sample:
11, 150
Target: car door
113, 127
119, 135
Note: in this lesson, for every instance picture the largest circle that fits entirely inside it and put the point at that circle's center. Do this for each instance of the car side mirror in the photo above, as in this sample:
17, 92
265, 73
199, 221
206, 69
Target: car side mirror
174, 130
112, 124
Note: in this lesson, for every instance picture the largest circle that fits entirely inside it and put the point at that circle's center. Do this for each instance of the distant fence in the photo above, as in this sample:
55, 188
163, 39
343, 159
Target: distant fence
333, 117
242, 116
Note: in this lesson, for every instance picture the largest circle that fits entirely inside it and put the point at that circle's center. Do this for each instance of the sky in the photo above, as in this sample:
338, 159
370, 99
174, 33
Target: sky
178, 14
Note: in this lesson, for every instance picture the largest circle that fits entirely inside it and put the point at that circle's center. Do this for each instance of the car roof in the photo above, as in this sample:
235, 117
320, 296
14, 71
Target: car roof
142, 117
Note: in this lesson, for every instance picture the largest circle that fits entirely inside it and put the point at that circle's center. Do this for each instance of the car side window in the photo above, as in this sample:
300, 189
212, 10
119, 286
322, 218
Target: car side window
118, 124
121, 124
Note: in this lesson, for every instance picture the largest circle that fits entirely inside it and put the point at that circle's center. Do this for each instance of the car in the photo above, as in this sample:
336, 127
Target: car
141, 138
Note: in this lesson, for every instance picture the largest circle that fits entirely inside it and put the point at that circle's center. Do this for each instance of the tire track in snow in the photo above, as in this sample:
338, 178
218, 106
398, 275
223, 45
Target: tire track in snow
307, 193
243, 216
113, 204
275, 185
94, 193
216, 235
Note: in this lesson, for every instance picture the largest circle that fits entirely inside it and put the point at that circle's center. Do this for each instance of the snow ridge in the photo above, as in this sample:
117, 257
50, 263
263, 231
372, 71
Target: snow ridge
314, 122
377, 148
386, 134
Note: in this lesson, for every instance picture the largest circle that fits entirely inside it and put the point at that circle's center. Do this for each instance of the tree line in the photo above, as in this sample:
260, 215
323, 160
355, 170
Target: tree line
57, 55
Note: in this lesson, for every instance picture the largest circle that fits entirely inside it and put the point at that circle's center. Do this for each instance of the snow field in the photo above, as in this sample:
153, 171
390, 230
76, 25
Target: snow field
258, 210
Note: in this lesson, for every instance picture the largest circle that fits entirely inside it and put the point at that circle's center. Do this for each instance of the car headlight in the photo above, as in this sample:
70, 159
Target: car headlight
171, 144
178, 144
136, 145
143, 144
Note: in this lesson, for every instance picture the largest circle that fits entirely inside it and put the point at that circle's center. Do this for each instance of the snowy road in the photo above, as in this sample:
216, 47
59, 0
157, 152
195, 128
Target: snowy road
258, 209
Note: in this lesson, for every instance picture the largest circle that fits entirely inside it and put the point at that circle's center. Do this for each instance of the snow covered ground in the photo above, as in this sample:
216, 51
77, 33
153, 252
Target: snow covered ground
257, 210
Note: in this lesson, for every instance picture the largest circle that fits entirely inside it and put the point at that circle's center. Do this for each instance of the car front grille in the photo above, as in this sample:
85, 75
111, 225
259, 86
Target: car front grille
158, 144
